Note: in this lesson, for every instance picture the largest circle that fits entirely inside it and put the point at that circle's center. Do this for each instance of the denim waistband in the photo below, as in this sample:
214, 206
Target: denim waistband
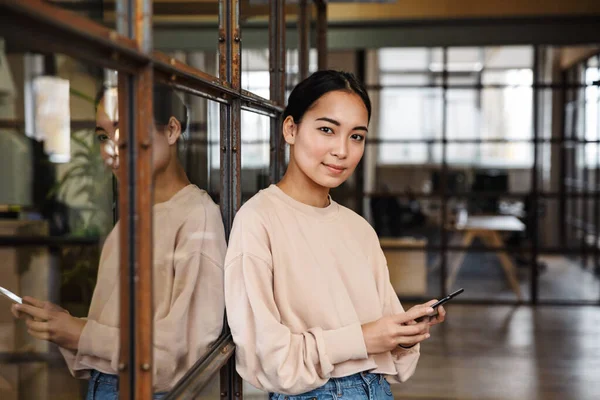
339, 384
98, 376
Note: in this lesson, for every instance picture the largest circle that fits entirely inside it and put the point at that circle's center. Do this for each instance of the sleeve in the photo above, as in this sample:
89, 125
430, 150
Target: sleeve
268, 354
171, 342
405, 360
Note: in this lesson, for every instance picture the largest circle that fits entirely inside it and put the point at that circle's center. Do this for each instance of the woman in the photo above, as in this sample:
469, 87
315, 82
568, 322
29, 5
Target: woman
189, 249
307, 290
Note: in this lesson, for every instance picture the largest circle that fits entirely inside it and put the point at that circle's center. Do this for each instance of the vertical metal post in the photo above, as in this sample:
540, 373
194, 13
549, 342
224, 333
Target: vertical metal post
534, 196
585, 173
444, 178
135, 201
359, 173
277, 84
571, 174
230, 117
322, 34
597, 189
562, 202
303, 39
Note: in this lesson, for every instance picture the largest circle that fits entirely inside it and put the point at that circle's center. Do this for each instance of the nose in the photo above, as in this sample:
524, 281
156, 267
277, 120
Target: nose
340, 149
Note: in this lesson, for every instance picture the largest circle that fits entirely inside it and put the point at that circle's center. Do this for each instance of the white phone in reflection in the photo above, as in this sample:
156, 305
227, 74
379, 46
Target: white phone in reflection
11, 296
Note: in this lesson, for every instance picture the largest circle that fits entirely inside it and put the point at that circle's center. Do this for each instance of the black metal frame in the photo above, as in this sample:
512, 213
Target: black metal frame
39, 26
567, 193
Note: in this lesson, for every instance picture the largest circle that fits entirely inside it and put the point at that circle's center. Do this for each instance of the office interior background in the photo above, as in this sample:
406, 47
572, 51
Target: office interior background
481, 169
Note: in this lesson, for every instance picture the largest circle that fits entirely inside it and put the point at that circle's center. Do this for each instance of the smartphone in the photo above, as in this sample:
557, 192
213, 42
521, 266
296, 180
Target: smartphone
439, 303
11, 296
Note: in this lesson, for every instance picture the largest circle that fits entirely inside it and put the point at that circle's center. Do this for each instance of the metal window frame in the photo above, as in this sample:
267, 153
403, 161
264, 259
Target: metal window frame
43, 27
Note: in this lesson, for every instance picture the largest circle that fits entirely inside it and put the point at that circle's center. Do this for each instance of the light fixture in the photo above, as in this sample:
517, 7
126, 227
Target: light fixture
53, 117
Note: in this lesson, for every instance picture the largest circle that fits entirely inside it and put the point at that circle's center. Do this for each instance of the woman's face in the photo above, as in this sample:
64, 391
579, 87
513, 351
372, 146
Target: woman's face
329, 142
107, 133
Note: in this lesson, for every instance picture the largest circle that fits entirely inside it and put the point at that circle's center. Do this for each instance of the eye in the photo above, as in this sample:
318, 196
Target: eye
357, 137
326, 129
102, 137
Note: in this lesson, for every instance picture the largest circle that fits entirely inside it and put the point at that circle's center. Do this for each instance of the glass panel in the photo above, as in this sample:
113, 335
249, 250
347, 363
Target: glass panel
254, 21
409, 114
512, 78
404, 59
255, 153
569, 277
100, 11
463, 114
507, 113
53, 186
508, 57
485, 273
399, 153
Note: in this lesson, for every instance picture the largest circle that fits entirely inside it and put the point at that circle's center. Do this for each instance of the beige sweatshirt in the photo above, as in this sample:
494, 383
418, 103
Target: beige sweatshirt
299, 283
189, 249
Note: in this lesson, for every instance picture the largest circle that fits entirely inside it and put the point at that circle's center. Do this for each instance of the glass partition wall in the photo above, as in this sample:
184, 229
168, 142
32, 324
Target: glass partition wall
98, 69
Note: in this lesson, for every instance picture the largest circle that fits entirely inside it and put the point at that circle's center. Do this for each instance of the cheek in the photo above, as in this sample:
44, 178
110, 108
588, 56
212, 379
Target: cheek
313, 147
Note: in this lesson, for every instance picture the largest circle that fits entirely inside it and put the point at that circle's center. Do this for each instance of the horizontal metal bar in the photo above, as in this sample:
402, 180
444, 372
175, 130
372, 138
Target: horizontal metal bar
38, 26
47, 241
568, 141
476, 248
480, 195
468, 86
41, 27
484, 302
203, 370
16, 357
19, 125
199, 83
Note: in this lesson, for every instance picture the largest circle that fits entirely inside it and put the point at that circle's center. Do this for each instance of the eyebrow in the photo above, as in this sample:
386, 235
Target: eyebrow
336, 123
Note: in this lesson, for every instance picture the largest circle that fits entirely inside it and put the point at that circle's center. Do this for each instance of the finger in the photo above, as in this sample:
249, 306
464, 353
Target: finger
413, 314
412, 340
39, 335
35, 312
439, 318
430, 303
34, 302
14, 311
413, 330
37, 326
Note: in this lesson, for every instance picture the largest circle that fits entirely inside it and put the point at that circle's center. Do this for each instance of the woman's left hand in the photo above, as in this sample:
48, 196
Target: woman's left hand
47, 321
439, 317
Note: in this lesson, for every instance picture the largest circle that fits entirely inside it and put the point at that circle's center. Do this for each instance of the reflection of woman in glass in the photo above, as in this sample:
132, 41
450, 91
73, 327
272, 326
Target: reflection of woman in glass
307, 290
189, 248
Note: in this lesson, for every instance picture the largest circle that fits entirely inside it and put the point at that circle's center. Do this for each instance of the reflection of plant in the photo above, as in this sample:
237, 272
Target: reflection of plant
87, 177
87, 180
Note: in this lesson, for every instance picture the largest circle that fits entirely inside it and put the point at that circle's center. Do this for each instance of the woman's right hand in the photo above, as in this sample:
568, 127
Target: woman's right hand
388, 332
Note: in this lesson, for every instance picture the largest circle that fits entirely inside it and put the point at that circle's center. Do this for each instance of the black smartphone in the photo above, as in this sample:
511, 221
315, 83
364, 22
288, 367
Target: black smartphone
439, 303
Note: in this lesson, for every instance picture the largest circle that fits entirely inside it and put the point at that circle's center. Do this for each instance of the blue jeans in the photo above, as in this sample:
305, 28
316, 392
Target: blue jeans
362, 386
106, 387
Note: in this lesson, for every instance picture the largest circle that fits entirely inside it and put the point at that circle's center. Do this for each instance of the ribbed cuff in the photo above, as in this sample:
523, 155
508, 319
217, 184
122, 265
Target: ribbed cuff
345, 344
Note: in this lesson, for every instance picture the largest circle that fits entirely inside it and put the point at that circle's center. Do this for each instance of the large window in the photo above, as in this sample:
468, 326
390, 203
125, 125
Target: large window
488, 96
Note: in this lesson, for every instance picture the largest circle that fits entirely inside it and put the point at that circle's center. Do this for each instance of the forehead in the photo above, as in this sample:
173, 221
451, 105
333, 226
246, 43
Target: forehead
347, 106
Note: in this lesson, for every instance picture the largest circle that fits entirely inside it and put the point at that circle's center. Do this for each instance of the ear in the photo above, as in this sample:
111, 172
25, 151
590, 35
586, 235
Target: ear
173, 131
290, 130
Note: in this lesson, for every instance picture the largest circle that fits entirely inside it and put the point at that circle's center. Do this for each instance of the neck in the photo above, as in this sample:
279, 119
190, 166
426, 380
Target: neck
168, 182
301, 188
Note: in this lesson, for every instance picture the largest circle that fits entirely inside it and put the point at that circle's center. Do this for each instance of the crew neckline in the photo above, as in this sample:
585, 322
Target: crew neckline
320, 212
176, 198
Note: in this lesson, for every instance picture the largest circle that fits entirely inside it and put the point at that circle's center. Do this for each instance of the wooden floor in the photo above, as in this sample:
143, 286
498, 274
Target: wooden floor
503, 352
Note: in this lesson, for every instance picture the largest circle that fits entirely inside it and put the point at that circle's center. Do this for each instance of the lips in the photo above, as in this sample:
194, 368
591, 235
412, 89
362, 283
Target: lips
337, 169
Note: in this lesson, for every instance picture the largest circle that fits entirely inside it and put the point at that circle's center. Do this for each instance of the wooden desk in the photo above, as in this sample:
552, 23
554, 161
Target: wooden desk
488, 229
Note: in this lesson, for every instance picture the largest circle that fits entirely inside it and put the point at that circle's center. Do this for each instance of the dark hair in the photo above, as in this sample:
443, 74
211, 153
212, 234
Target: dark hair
166, 104
307, 92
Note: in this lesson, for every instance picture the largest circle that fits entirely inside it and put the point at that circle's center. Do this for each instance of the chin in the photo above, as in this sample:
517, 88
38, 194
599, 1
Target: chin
330, 183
